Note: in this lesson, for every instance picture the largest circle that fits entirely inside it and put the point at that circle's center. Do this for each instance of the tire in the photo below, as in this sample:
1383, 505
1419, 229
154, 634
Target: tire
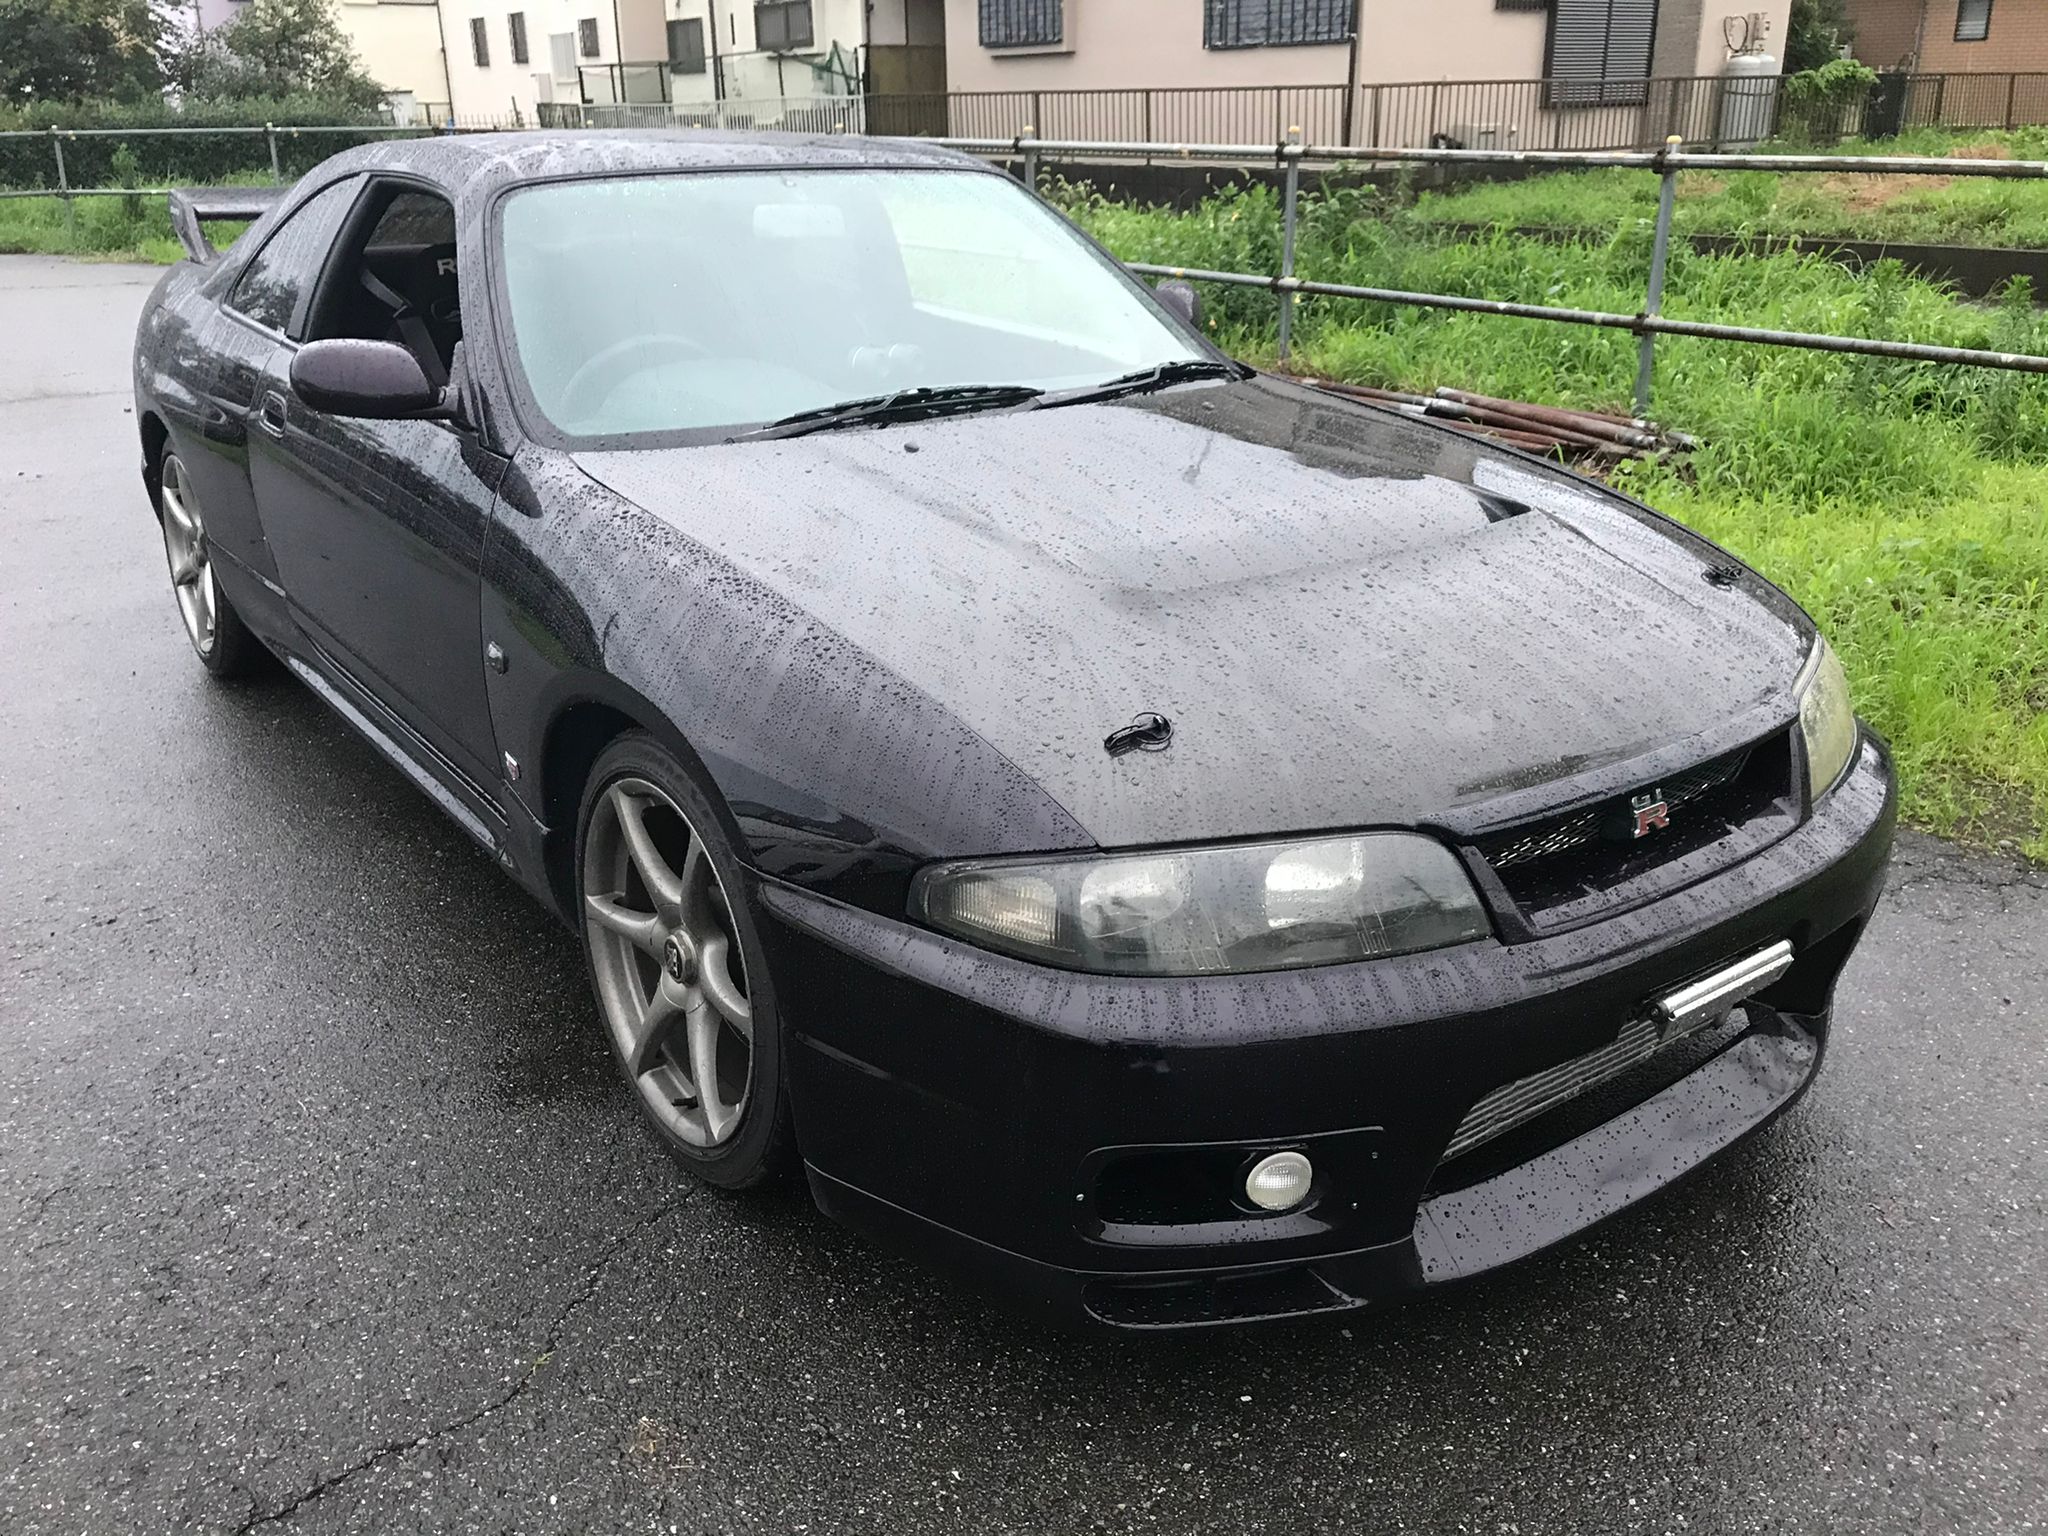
675, 963
220, 639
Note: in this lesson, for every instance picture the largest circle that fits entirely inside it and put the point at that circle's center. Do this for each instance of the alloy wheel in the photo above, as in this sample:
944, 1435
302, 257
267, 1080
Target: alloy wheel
190, 560
667, 962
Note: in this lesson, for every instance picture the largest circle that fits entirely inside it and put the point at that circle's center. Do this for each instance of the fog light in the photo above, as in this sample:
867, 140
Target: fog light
1279, 1182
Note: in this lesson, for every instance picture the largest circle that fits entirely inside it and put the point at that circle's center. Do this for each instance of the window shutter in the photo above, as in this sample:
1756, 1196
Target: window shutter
479, 41
1600, 51
686, 46
517, 24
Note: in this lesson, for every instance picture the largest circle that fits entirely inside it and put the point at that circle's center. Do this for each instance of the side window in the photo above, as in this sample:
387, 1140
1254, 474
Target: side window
399, 284
268, 289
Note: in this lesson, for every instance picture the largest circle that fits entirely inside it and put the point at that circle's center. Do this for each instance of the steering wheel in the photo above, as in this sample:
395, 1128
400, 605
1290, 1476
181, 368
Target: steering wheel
622, 358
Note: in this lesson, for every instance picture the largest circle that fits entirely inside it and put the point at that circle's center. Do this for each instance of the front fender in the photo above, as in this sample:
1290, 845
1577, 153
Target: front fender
836, 774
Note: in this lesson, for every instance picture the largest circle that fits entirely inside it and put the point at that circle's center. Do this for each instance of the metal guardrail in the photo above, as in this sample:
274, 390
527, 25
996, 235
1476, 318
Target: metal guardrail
1647, 324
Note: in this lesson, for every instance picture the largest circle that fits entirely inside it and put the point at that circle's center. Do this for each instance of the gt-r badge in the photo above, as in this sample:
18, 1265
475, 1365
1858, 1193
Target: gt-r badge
1651, 812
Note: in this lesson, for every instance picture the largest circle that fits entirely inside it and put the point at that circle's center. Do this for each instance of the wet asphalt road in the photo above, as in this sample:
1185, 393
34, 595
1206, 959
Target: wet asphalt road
321, 1208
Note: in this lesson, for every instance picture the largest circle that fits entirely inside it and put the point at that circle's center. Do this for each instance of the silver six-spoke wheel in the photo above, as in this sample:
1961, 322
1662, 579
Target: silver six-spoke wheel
191, 564
667, 962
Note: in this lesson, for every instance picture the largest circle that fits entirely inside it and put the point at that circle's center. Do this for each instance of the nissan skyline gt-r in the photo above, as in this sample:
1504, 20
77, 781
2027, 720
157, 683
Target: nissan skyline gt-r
1172, 844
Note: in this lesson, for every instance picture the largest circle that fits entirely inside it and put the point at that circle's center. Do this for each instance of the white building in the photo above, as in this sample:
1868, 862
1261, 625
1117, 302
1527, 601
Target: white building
510, 57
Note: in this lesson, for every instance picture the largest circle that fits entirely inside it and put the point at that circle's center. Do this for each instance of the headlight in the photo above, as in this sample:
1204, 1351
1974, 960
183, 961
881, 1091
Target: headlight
1826, 719
1261, 907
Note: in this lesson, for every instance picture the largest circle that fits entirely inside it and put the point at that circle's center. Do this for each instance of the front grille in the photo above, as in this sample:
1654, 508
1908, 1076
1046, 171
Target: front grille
1561, 859
1582, 827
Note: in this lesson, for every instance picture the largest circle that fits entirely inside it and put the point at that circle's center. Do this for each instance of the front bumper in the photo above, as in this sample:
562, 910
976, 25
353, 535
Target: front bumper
1070, 1141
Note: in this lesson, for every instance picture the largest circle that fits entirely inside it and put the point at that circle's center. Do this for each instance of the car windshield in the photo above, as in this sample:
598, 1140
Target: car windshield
716, 301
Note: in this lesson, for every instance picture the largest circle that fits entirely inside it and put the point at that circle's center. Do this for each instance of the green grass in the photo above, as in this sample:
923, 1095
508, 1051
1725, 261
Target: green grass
103, 228
1959, 211
1901, 503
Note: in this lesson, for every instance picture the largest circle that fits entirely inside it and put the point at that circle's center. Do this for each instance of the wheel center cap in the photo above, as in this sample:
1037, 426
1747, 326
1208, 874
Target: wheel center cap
677, 960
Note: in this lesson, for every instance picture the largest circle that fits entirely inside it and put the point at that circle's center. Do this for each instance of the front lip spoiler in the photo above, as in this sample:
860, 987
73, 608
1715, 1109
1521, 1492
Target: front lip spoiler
1457, 1237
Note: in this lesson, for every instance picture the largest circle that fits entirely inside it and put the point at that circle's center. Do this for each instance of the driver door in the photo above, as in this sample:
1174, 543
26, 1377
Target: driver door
378, 527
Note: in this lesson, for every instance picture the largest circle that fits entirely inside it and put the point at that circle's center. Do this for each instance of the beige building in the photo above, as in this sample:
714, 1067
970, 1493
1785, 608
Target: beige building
1045, 45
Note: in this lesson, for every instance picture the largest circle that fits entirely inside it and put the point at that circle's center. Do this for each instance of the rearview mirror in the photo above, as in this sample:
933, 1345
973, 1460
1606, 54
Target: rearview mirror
380, 380
1182, 299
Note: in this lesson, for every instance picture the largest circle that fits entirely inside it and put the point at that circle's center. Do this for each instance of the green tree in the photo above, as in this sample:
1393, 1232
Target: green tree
1815, 33
276, 48
68, 50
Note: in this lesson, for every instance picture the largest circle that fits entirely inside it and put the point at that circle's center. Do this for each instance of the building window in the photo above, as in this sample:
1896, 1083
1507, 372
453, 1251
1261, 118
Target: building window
517, 21
1274, 23
586, 37
479, 42
1021, 24
780, 25
1973, 20
686, 46
1598, 54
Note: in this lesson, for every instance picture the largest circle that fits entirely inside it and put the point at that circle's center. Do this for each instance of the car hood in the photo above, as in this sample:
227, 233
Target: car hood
1349, 617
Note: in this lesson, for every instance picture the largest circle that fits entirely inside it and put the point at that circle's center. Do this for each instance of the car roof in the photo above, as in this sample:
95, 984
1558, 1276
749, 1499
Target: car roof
468, 164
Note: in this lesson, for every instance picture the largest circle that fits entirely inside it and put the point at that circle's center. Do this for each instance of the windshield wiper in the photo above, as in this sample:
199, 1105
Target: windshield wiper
1144, 380
900, 405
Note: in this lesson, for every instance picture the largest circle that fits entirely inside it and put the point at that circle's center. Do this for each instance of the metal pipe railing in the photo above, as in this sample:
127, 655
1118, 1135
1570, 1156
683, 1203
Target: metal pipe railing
1646, 325
1289, 155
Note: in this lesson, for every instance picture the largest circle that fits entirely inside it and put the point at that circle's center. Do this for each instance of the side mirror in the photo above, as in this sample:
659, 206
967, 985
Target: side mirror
380, 380
1182, 299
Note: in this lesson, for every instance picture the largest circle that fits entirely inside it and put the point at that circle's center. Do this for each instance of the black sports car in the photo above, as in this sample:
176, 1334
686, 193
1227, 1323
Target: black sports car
1181, 846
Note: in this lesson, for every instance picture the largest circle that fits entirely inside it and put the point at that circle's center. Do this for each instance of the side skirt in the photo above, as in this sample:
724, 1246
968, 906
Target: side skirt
429, 783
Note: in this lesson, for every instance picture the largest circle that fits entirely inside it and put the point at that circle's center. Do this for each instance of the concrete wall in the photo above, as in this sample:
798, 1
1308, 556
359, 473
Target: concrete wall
504, 87
1712, 51
398, 43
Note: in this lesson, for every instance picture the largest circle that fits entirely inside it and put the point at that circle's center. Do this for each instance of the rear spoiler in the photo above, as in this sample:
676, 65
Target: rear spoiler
192, 208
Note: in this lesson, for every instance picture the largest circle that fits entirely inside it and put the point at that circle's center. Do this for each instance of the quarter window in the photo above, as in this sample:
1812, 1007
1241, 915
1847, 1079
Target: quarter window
780, 25
479, 41
686, 46
1022, 23
1274, 23
1973, 20
271, 285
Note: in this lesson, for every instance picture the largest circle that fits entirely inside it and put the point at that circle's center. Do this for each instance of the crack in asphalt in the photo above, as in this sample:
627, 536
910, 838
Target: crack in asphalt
327, 1482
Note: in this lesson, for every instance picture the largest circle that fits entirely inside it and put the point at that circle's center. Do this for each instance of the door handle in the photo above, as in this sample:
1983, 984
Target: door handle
271, 413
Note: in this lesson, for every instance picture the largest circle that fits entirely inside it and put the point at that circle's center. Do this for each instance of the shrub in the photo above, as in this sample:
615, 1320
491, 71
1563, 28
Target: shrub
178, 159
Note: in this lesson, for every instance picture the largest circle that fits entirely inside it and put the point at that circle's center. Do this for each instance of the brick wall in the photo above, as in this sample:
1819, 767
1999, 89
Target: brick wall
2018, 39
1888, 31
